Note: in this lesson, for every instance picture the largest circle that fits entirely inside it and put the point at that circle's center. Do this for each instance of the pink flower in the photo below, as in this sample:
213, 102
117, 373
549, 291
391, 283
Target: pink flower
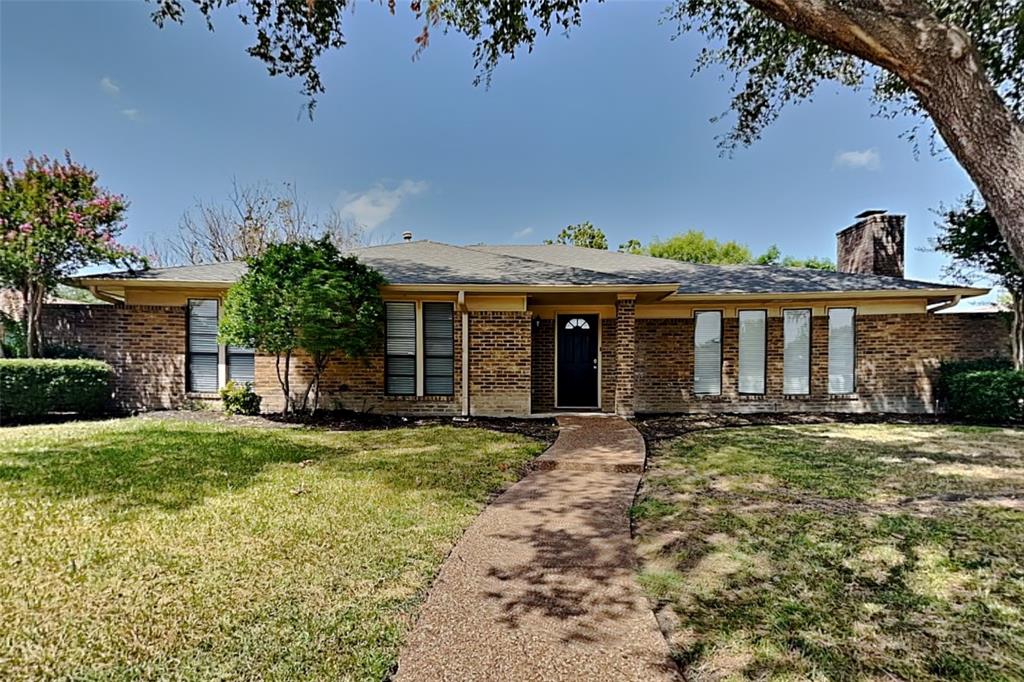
11, 235
106, 237
25, 228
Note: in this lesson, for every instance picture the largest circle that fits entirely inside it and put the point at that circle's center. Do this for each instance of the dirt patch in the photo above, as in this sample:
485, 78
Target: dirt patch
658, 427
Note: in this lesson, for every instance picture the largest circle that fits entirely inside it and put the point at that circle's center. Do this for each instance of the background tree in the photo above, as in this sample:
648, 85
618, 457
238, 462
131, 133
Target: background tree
773, 256
304, 296
958, 62
54, 221
968, 234
253, 217
694, 246
631, 246
582, 234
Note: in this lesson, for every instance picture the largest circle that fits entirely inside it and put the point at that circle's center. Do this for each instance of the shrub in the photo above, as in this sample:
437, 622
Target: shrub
951, 368
33, 388
240, 399
995, 396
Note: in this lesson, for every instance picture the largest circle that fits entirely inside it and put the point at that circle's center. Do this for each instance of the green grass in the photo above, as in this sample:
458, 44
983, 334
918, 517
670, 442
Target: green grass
144, 549
838, 552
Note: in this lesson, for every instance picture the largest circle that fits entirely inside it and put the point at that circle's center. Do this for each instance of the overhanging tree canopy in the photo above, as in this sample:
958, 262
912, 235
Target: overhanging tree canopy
959, 62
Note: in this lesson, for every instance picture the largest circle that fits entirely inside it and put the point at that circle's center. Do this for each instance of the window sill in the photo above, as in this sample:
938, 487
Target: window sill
195, 395
711, 398
752, 397
420, 398
843, 396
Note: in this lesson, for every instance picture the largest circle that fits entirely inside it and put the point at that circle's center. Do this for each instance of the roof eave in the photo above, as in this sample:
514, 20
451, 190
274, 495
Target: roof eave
965, 292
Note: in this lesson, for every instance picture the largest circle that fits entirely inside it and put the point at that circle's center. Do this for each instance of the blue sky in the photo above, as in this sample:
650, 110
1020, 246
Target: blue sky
608, 125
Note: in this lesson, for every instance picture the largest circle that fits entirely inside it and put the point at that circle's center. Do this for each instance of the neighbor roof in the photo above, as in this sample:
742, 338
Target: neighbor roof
433, 263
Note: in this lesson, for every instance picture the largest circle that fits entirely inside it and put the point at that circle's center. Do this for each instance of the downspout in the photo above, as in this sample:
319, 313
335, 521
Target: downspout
465, 353
948, 304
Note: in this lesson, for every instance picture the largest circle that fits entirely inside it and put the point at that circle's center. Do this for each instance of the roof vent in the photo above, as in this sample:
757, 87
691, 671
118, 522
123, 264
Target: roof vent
407, 236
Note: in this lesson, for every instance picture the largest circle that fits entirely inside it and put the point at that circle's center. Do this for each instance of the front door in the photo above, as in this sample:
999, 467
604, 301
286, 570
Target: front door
577, 360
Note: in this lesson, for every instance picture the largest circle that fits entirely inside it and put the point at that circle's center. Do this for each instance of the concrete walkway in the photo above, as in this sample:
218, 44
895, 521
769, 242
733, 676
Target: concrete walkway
541, 585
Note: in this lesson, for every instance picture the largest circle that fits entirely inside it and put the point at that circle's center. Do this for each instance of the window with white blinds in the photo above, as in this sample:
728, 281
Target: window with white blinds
707, 352
400, 354
842, 340
796, 358
438, 348
201, 358
752, 350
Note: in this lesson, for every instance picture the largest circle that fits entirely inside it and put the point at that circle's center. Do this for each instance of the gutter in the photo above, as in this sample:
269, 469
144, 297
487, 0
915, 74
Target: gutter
103, 296
948, 304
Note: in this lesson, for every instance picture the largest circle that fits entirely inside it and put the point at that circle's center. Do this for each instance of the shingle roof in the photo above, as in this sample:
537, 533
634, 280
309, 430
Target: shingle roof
427, 262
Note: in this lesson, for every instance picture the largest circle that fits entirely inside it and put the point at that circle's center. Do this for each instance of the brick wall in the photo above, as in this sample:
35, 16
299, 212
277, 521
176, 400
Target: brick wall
500, 363
608, 365
542, 371
145, 345
897, 358
357, 384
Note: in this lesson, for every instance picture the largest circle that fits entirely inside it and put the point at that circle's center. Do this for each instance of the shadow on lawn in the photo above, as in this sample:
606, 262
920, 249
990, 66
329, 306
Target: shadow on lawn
176, 466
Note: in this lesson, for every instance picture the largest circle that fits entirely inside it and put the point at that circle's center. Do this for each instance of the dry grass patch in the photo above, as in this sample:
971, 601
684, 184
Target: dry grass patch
145, 549
838, 551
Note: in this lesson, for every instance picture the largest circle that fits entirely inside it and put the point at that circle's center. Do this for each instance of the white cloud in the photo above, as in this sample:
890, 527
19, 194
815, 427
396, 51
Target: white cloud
525, 232
867, 159
131, 114
374, 206
108, 86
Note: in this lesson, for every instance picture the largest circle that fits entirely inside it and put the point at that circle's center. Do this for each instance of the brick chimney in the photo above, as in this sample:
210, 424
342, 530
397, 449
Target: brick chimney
873, 245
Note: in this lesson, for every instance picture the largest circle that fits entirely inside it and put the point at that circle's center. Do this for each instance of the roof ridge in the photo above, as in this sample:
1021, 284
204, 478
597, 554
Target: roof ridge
569, 268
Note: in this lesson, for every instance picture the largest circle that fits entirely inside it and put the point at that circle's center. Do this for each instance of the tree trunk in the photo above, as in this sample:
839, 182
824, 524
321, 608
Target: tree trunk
1017, 330
282, 378
940, 64
32, 302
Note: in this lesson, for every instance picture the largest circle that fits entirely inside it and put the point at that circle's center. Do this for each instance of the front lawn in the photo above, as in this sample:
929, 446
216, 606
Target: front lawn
158, 549
838, 551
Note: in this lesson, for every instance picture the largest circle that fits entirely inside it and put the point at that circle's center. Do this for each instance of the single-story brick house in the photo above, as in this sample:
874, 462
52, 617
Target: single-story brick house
520, 330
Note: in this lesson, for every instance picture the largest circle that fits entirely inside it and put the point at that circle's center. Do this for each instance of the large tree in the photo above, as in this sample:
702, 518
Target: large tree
968, 234
958, 62
693, 246
55, 220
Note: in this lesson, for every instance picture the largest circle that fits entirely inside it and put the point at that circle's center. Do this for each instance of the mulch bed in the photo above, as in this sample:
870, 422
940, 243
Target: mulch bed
343, 420
658, 427
543, 430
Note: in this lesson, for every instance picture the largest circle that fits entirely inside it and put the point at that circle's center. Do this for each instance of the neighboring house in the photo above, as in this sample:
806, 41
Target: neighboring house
519, 330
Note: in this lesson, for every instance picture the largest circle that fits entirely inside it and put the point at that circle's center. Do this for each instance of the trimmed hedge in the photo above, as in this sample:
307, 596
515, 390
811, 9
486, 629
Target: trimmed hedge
33, 388
951, 368
994, 396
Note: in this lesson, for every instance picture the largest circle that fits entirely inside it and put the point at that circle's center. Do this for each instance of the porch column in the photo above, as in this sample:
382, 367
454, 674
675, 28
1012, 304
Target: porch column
625, 353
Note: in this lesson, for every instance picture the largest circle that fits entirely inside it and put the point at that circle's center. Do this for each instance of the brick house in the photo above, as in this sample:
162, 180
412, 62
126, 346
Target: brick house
519, 330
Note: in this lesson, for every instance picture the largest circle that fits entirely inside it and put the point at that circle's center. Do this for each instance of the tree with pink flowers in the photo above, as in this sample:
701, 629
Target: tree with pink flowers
54, 221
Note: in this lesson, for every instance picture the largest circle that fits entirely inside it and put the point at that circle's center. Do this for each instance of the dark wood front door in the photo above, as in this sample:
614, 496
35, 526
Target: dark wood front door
577, 360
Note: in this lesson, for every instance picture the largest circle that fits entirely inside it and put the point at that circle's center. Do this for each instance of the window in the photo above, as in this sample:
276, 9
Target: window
438, 348
201, 358
707, 353
241, 365
842, 339
577, 323
752, 350
796, 359
400, 358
